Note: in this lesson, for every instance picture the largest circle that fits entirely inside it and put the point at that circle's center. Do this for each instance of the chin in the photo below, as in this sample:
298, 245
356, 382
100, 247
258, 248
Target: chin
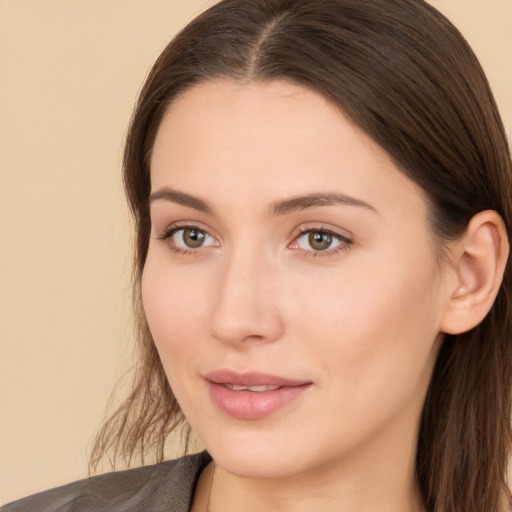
256, 453
256, 464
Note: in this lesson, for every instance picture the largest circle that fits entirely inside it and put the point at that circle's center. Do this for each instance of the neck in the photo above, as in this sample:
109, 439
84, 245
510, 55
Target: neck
377, 483
343, 496
374, 489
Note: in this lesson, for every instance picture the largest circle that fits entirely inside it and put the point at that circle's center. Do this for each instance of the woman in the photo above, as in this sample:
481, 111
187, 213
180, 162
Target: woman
321, 190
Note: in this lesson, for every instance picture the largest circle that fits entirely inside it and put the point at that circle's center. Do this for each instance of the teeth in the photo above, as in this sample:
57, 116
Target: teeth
256, 389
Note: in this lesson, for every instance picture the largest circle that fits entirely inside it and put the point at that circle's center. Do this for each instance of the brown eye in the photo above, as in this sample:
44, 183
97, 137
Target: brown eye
193, 238
319, 240
187, 238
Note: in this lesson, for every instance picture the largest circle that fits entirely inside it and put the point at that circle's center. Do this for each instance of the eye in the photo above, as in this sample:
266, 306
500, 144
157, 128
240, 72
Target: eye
318, 241
183, 238
190, 237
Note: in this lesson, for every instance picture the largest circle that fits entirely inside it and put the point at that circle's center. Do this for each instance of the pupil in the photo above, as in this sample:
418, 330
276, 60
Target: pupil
320, 240
193, 238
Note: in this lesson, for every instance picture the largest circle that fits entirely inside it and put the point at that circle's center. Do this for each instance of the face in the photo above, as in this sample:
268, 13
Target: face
291, 282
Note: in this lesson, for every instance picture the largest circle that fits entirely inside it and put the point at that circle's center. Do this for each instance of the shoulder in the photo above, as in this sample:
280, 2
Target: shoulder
157, 488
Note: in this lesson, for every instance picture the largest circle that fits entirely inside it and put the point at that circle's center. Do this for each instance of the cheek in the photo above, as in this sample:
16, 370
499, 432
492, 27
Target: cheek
174, 304
373, 331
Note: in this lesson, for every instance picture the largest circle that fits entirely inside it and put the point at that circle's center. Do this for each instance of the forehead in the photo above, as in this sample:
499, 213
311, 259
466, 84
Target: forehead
262, 141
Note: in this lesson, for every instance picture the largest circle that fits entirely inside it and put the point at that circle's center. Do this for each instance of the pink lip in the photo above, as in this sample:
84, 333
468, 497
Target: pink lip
252, 405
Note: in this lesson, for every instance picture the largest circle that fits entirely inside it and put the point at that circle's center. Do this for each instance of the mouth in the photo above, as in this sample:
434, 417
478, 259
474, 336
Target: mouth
254, 389
253, 396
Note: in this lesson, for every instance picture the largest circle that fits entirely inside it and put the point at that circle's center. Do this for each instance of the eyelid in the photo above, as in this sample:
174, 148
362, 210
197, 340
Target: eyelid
346, 240
338, 232
171, 229
184, 224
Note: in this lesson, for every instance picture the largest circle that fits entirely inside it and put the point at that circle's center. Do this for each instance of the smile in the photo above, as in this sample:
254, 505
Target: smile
254, 389
253, 396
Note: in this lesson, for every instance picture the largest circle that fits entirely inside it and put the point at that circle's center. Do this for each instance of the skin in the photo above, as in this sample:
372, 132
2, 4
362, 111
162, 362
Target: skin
361, 320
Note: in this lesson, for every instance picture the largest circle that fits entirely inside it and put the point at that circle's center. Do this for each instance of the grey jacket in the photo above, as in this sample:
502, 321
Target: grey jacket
165, 487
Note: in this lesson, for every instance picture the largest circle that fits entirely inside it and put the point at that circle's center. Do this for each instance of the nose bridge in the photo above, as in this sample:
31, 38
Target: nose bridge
245, 306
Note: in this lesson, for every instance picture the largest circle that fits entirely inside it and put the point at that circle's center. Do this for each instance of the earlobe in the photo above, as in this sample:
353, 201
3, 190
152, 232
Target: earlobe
479, 264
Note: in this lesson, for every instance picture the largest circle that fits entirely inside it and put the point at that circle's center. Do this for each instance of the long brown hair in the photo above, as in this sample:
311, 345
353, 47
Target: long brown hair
406, 76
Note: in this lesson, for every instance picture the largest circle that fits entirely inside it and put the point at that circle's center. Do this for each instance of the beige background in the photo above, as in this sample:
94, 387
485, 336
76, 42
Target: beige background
69, 74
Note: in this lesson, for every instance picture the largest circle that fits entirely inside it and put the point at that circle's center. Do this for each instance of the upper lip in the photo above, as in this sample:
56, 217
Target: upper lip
251, 379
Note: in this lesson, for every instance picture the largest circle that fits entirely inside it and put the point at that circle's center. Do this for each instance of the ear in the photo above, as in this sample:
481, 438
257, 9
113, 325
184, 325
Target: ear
479, 261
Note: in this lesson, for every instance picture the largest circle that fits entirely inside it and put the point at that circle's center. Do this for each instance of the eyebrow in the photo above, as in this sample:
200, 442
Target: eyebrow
174, 196
283, 207
314, 200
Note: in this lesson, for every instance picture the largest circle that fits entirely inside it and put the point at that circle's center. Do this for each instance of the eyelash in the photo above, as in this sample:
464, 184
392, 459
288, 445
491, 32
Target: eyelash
169, 232
344, 245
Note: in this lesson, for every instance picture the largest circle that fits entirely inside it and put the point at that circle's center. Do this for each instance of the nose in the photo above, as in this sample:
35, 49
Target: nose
246, 307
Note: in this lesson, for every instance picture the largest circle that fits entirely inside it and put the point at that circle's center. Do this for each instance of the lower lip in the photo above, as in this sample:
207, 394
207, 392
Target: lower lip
252, 405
